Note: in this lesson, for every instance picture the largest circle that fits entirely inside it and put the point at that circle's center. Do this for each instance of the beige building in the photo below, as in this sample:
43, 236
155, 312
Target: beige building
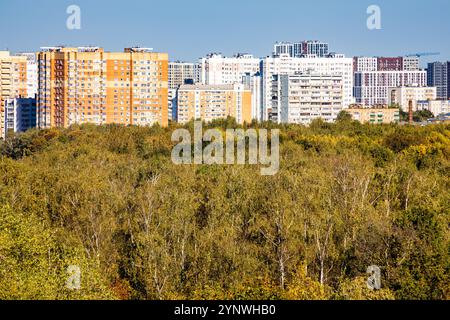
436, 107
87, 84
374, 115
402, 95
13, 81
210, 102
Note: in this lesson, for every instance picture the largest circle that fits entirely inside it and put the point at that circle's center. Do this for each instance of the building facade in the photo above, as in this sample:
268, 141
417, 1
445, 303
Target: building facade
299, 49
303, 97
32, 73
218, 70
372, 87
210, 102
20, 115
13, 81
367, 64
438, 75
89, 85
402, 95
180, 73
285, 65
380, 115
436, 107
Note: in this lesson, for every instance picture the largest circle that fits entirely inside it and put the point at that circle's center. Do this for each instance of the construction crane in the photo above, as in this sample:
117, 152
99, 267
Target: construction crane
424, 54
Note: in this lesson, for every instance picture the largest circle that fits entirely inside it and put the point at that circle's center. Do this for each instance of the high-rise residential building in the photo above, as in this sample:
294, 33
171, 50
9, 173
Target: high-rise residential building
87, 84
217, 69
180, 73
401, 96
303, 97
302, 48
438, 75
380, 115
210, 102
254, 82
32, 73
286, 65
13, 81
20, 115
372, 87
366, 64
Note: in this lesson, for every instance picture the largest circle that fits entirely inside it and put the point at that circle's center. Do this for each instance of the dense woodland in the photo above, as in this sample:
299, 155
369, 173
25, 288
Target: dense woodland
110, 200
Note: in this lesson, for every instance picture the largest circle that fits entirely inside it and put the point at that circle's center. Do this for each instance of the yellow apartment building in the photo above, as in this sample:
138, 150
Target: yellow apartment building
210, 102
89, 85
374, 115
13, 81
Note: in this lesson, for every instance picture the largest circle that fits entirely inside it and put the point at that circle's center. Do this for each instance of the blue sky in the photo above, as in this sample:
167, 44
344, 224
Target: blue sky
189, 29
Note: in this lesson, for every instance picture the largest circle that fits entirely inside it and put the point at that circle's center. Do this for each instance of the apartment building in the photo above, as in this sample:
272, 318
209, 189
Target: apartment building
254, 82
367, 64
217, 69
180, 73
87, 84
372, 87
20, 115
32, 73
402, 95
303, 97
286, 65
438, 75
436, 107
13, 81
299, 49
210, 102
374, 115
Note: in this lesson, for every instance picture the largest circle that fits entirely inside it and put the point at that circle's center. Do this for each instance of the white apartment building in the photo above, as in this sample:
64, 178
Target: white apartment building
365, 64
303, 97
372, 87
403, 95
285, 65
299, 49
218, 70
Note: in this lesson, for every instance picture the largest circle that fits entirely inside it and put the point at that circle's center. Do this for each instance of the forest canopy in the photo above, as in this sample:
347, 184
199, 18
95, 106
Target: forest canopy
110, 200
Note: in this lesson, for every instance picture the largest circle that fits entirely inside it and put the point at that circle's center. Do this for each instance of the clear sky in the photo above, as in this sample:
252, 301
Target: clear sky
189, 29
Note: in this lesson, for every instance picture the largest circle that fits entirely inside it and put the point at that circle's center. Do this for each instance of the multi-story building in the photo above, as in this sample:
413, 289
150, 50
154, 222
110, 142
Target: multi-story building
32, 73
372, 87
436, 107
180, 73
20, 115
299, 49
366, 64
438, 75
255, 84
303, 97
13, 81
401, 96
210, 102
217, 69
286, 65
87, 84
375, 115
